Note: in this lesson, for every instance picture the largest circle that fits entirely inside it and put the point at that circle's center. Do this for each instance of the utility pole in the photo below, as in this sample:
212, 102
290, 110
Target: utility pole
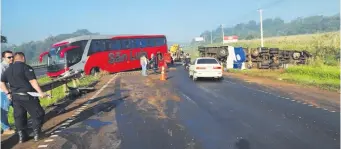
222, 31
261, 26
211, 37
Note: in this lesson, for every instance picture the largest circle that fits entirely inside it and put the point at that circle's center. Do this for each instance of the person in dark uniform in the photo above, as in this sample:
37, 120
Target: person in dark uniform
22, 79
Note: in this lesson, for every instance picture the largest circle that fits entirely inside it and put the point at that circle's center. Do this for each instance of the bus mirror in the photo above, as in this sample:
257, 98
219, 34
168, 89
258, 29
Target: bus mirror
42, 55
62, 52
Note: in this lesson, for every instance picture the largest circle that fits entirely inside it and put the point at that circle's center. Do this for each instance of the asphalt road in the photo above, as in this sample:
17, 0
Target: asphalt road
230, 114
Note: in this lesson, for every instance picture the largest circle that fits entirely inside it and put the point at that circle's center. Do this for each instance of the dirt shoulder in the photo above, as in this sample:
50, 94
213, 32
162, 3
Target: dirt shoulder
312, 95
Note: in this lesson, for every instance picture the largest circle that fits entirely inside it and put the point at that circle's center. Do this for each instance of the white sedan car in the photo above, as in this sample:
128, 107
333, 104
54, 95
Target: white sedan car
205, 67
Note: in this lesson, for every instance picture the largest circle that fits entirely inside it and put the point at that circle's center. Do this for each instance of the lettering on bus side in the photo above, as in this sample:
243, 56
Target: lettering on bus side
116, 57
137, 54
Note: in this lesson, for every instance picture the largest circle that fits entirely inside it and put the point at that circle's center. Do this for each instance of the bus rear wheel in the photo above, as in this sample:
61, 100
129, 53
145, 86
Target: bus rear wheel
94, 71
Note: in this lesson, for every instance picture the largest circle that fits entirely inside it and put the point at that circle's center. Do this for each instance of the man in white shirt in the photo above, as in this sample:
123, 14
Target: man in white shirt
7, 59
144, 62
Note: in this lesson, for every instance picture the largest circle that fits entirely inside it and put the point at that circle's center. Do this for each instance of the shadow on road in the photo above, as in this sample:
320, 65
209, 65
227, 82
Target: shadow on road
53, 111
110, 102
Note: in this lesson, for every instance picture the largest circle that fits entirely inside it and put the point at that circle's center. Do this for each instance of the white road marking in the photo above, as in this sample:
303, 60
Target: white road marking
42, 146
69, 121
53, 136
65, 124
57, 131
103, 87
189, 99
48, 140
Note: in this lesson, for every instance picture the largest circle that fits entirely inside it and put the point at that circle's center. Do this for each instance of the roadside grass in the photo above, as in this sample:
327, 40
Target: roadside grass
324, 77
57, 93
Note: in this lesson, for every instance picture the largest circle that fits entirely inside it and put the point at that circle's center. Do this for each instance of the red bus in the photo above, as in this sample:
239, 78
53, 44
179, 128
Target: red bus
92, 53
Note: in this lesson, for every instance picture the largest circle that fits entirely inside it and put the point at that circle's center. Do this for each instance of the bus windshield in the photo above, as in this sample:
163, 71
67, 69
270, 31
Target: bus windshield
55, 58
55, 62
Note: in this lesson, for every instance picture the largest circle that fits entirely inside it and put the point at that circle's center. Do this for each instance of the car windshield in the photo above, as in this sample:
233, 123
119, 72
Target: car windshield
207, 61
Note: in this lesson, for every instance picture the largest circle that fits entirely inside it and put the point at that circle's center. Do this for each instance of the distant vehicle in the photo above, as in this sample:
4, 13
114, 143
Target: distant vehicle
92, 53
176, 53
205, 67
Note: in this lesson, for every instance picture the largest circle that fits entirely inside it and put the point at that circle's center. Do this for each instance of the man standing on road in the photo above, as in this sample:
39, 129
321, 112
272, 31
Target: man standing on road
7, 59
144, 62
22, 79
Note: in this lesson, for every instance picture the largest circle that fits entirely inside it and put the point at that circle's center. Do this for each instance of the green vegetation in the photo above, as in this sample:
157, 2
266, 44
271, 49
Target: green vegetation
324, 77
324, 47
57, 93
277, 27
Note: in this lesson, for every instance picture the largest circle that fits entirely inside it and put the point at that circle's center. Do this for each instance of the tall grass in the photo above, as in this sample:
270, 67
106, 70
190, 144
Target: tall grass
324, 77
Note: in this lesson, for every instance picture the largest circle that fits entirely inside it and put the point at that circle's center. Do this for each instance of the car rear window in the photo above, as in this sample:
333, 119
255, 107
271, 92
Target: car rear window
207, 61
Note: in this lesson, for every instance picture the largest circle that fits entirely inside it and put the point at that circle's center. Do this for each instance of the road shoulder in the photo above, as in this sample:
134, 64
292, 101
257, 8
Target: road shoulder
312, 95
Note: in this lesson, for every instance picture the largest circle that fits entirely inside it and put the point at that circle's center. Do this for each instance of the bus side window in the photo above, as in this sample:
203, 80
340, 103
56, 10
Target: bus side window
115, 44
125, 44
97, 46
164, 40
156, 42
159, 42
149, 42
143, 43
135, 43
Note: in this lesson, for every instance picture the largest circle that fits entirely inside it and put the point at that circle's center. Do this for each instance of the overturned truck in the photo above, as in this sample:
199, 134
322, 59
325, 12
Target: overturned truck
220, 53
261, 58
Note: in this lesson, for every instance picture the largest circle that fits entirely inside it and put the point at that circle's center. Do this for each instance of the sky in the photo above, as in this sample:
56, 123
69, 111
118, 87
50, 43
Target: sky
180, 20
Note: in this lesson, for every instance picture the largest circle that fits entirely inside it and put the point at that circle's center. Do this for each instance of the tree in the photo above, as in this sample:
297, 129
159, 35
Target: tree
3, 39
277, 27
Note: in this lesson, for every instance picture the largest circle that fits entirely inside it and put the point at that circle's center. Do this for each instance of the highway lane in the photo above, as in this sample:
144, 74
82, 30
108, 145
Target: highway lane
265, 120
210, 115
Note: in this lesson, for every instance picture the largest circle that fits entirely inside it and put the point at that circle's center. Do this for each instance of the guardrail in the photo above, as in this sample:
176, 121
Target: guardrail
63, 81
39, 66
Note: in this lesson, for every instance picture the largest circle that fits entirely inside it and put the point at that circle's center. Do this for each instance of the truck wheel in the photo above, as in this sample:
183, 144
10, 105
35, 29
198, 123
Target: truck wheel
222, 52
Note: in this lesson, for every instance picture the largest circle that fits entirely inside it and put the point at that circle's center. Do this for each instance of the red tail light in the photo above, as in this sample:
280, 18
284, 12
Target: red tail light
216, 67
200, 68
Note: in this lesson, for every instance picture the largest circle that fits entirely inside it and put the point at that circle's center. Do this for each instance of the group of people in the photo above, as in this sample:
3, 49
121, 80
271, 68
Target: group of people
152, 63
17, 79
